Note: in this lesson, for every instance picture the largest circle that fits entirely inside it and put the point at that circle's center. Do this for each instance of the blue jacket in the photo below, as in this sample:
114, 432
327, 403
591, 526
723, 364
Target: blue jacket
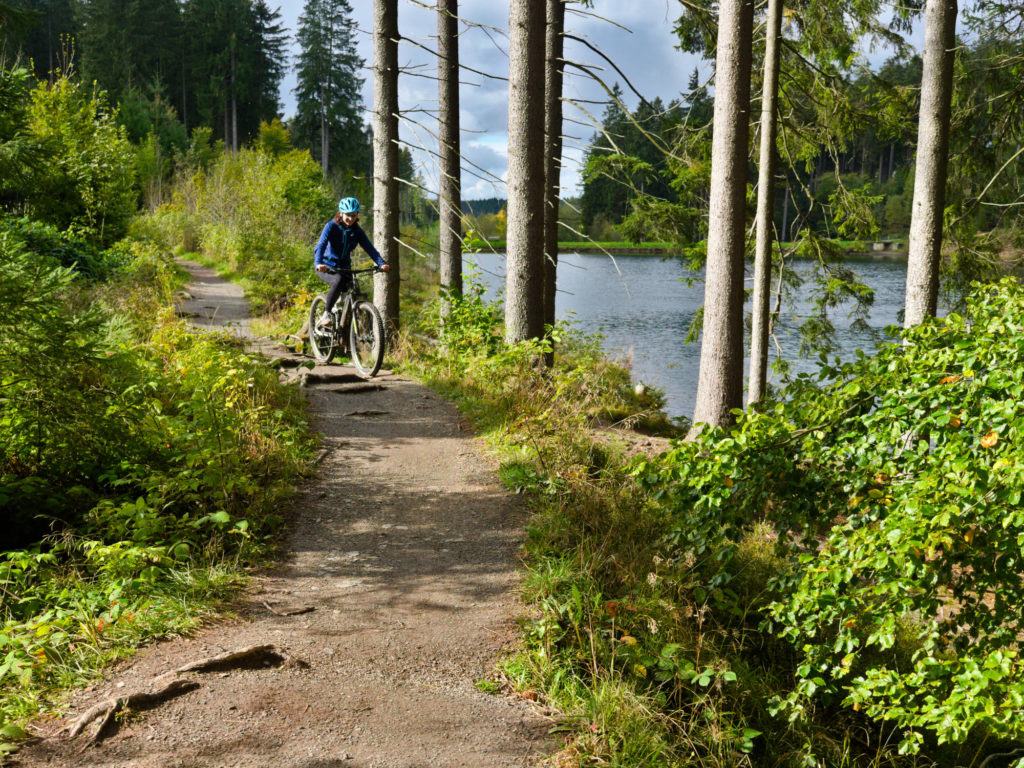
336, 243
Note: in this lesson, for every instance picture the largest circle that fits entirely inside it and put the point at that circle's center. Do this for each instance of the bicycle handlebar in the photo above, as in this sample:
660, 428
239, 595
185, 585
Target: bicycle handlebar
354, 271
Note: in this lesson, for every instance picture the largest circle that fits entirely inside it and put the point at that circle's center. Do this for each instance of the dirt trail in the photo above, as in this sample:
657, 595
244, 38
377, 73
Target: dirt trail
405, 548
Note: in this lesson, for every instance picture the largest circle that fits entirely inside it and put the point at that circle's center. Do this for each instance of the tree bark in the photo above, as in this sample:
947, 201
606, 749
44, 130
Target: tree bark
385, 157
765, 208
555, 18
234, 101
524, 239
449, 193
931, 164
720, 380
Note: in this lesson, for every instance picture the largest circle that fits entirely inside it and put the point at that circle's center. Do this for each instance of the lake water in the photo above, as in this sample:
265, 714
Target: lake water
642, 307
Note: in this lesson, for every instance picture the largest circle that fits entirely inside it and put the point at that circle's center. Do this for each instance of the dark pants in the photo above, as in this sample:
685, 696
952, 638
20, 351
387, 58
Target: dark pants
339, 281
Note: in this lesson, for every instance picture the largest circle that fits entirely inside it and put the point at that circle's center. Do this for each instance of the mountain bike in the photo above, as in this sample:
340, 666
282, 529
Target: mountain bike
353, 317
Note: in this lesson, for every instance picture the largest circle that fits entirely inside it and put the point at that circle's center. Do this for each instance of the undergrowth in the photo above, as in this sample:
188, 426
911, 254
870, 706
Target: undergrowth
776, 593
142, 468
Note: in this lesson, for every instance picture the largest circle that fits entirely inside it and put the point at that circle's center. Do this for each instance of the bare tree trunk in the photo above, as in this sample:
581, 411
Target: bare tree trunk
555, 18
931, 164
449, 193
323, 131
524, 251
784, 233
234, 102
765, 208
385, 157
720, 381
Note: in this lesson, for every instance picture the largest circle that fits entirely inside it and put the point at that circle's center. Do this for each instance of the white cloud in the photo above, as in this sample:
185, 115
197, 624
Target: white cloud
647, 56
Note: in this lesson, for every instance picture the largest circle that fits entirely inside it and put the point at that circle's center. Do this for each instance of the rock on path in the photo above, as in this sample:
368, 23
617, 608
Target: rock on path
406, 548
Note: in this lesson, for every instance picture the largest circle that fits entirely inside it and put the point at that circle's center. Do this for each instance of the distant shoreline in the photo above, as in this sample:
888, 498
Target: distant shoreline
884, 250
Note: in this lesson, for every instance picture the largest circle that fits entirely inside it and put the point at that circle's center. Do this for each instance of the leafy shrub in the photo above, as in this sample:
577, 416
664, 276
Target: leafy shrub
894, 486
259, 214
21, 155
64, 248
154, 456
88, 183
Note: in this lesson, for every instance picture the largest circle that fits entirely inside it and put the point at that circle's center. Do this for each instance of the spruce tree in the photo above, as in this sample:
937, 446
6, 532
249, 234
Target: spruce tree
329, 107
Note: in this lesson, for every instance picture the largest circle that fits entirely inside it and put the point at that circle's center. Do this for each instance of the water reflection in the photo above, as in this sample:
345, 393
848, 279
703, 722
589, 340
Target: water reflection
643, 307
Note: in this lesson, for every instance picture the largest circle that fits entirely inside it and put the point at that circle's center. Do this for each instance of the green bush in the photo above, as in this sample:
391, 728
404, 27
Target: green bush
88, 181
64, 248
259, 215
893, 484
154, 458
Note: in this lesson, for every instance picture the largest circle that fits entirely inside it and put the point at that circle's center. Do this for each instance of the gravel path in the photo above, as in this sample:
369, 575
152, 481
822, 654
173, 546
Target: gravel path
405, 548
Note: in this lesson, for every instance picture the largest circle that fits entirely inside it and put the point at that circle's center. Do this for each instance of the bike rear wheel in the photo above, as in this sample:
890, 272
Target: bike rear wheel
322, 341
366, 338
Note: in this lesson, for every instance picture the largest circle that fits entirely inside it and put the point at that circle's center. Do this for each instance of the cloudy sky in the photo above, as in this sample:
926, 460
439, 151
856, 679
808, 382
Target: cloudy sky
640, 41
636, 34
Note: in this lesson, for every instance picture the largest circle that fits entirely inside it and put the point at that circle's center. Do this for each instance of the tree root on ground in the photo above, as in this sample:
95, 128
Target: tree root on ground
251, 656
292, 612
138, 700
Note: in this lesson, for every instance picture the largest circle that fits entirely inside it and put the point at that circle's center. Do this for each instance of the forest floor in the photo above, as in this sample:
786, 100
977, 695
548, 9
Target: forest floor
398, 591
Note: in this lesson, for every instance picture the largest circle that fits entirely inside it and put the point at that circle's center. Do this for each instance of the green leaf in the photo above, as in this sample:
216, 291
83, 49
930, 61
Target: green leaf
12, 731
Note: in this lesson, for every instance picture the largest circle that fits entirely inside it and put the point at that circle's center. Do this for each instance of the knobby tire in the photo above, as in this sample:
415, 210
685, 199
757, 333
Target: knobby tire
322, 343
366, 338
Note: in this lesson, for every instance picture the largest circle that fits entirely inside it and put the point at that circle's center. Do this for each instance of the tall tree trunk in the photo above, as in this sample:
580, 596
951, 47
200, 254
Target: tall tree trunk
184, 92
524, 238
931, 164
450, 195
720, 381
385, 157
234, 101
555, 18
323, 131
784, 232
765, 208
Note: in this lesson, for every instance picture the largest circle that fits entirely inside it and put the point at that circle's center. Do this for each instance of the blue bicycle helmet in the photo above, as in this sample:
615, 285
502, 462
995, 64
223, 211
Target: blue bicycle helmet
348, 205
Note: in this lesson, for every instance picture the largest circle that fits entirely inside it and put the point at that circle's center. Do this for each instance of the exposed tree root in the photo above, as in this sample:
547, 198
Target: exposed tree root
293, 612
251, 656
138, 700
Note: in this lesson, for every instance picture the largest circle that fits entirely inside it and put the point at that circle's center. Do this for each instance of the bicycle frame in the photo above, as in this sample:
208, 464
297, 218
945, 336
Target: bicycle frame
343, 307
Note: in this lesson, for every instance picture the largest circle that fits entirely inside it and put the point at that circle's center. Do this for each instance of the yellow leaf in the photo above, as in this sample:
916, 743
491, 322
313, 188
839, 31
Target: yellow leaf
640, 670
628, 640
969, 535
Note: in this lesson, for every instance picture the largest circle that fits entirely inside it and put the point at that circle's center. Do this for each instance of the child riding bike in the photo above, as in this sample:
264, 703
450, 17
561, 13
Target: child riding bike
332, 256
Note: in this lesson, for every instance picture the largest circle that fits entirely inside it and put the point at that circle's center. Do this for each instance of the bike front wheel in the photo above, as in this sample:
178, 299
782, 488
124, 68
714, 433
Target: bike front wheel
322, 342
366, 338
